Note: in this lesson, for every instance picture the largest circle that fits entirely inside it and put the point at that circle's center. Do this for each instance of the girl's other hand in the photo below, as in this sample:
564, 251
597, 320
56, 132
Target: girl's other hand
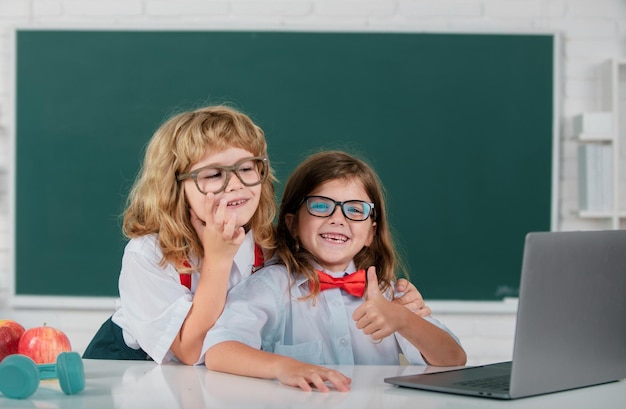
377, 316
306, 377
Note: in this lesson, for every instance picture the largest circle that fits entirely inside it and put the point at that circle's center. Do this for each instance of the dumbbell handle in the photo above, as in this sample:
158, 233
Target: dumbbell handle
47, 371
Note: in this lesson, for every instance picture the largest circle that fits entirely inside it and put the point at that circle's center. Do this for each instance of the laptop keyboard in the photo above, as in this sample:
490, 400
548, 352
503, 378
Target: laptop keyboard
497, 383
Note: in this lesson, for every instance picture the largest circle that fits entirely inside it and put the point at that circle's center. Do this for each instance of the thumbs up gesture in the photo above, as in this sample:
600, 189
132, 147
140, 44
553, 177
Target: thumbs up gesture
377, 316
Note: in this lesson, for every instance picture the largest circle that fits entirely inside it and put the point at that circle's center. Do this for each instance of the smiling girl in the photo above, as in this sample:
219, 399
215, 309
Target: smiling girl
314, 306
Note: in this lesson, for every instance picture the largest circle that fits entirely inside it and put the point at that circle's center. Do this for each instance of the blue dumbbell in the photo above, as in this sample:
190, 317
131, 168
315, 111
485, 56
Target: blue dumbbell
20, 375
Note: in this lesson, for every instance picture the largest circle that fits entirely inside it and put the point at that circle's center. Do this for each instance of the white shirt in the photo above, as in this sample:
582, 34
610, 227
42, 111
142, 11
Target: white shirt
262, 313
153, 303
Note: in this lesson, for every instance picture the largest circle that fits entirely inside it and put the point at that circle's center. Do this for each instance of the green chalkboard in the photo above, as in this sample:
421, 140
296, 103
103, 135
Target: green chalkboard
459, 127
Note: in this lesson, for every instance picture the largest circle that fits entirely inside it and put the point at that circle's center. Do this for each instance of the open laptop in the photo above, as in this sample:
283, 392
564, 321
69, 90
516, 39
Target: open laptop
571, 322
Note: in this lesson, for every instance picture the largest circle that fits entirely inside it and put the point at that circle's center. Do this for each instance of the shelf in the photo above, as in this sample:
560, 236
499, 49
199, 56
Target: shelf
584, 214
594, 138
600, 138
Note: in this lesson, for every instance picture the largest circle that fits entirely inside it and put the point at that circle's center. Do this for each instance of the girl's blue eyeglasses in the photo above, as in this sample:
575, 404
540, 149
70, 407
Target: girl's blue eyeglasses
322, 206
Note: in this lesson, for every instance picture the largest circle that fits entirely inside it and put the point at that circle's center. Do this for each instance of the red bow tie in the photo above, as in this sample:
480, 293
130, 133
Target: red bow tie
353, 284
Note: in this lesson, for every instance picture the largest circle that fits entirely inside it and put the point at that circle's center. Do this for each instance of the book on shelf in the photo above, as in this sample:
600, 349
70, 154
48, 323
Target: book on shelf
595, 178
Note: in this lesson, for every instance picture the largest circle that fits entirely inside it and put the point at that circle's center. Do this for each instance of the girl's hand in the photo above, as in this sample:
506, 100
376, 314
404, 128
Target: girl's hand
377, 316
306, 377
411, 299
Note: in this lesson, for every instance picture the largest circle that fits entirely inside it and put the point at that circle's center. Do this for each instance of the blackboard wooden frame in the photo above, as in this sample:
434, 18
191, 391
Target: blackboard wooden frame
530, 59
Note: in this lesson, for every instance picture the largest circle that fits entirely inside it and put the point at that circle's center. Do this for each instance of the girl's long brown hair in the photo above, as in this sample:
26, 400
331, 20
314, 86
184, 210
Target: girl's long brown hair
314, 171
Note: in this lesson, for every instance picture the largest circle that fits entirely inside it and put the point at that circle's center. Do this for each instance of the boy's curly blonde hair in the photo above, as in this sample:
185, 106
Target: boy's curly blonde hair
157, 203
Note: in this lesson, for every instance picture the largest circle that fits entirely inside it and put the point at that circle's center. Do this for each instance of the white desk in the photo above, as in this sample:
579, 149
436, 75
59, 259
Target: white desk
138, 385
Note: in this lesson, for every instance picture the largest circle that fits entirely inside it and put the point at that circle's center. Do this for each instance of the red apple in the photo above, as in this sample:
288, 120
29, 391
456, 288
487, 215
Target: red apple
43, 344
10, 333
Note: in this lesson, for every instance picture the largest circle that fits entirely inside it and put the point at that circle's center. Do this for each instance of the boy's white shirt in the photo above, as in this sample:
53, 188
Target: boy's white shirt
153, 303
262, 313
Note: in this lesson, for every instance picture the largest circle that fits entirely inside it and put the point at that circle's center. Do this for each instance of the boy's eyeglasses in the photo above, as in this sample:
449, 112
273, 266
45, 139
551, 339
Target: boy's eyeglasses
322, 206
214, 179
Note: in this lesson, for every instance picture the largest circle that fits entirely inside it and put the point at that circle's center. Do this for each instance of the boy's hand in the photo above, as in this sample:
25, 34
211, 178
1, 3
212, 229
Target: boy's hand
411, 299
218, 232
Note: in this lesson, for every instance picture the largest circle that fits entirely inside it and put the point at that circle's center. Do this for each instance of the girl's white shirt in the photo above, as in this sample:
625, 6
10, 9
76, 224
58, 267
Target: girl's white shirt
264, 312
153, 303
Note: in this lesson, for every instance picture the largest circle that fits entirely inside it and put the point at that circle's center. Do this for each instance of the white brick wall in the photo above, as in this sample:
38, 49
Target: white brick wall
592, 31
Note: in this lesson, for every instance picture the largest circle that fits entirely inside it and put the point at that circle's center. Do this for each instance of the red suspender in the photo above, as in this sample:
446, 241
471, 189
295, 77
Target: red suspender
185, 279
258, 258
